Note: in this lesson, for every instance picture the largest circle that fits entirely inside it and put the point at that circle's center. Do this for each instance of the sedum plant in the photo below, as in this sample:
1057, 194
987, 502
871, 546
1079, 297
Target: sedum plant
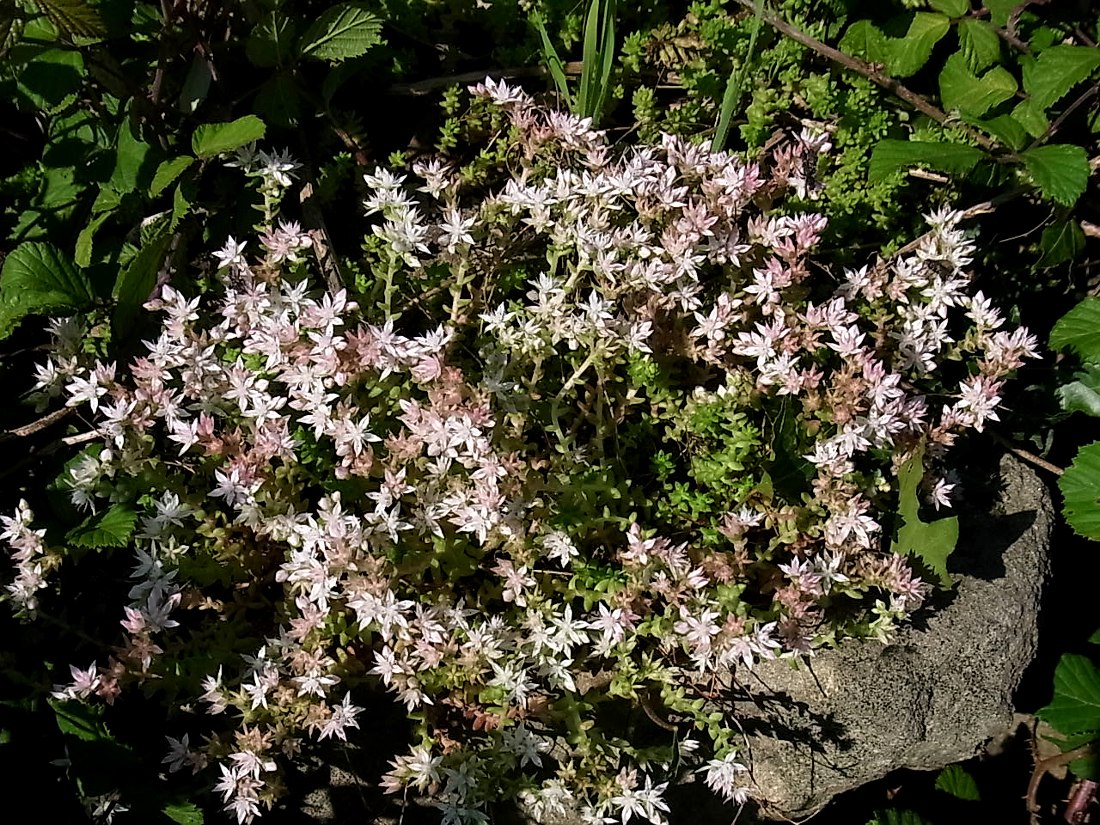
594, 431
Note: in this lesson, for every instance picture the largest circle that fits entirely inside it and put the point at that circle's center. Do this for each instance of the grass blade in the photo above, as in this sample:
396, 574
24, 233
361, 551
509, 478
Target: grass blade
735, 85
553, 61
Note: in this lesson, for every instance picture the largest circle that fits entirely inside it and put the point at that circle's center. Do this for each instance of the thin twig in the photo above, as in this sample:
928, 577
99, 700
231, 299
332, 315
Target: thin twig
1045, 766
1030, 458
82, 438
41, 424
918, 102
1081, 100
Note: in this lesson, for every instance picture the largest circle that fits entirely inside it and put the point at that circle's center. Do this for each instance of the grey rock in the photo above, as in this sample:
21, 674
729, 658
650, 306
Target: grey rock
935, 696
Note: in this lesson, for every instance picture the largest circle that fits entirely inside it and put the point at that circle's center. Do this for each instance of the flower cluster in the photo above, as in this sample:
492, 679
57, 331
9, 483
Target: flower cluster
580, 439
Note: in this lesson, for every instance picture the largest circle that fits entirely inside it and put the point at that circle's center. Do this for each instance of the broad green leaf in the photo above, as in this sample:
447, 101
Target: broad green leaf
1079, 330
1094, 639
38, 278
78, 719
212, 139
1051, 75
956, 781
271, 42
133, 161
279, 101
1004, 128
167, 173
864, 40
971, 95
931, 542
1075, 707
1080, 486
893, 816
1000, 10
907, 55
136, 282
51, 76
1032, 117
110, 529
952, 8
184, 813
1061, 171
196, 85
979, 43
73, 17
891, 155
1060, 242
1083, 393
343, 31
83, 252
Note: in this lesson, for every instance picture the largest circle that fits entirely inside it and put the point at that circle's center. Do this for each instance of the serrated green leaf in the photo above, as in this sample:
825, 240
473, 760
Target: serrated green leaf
83, 252
167, 173
1004, 128
1075, 707
51, 76
38, 278
1000, 10
181, 203
213, 139
907, 55
1032, 117
972, 95
184, 813
864, 40
979, 43
931, 542
134, 163
136, 282
954, 780
73, 18
1061, 242
1080, 486
196, 84
271, 43
343, 31
1061, 171
1050, 76
279, 101
952, 8
891, 155
110, 529
1094, 639
1083, 393
85, 722
1079, 330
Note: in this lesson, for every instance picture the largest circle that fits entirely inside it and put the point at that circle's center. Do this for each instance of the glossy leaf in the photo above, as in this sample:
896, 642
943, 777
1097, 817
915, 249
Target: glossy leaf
952, 8
136, 283
73, 17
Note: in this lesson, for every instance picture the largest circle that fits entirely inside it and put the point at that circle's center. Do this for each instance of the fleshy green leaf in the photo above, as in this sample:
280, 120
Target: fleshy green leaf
971, 95
1080, 486
1060, 242
931, 542
343, 31
907, 55
956, 781
212, 139
890, 155
1061, 171
1079, 329
952, 8
1075, 707
110, 529
1083, 393
979, 43
136, 282
864, 40
167, 173
38, 278
73, 17
1051, 75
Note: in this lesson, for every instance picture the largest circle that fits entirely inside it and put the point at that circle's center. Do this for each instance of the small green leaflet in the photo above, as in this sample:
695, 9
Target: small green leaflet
38, 278
111, 529
1075, 707
954, 780
907, 55
1079, 330
891, 155
1080, 486
167, 173
343, 31
952, 8
931, 542
1050, 76
212, 139
1061, 171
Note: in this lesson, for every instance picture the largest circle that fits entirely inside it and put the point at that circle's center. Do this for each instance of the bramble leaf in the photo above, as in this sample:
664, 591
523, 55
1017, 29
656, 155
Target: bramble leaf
931, 542
1004, 128
1050, 76
890, 155
955, 780
1075, 707
979, 43
907, 55
73, 17
972, 95
78, 719
167, 173
1060, 242
864, 40
110, 529
1061, 171
271, 42
1079, 329
184, 813
1000, 10
136, 282
343, 31
1083, 393
952, 8
1080, 486
1032, 117
38, 278
212, 139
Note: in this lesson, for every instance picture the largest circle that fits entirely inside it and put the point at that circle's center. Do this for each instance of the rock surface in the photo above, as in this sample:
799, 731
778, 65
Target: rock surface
933, 697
